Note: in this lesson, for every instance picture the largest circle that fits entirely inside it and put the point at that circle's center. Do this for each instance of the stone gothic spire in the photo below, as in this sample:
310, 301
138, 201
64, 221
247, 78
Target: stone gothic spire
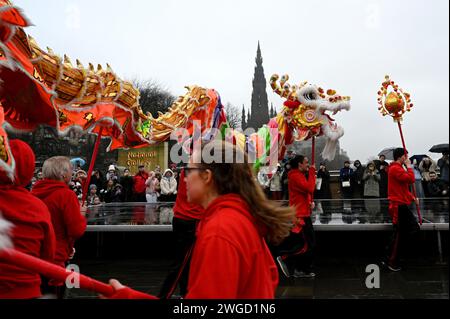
259, 106
243, 122
272, 113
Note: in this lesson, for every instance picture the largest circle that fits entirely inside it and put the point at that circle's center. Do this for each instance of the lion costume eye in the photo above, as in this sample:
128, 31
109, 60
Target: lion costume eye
310, 96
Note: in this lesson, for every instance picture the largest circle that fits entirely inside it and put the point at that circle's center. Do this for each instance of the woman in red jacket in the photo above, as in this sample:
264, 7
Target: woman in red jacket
64, 208
32, 232
296, 253
230, 259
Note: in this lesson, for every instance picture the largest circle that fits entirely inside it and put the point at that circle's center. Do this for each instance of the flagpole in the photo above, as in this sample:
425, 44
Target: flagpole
396, 104
50, 270
413, 185
91, 165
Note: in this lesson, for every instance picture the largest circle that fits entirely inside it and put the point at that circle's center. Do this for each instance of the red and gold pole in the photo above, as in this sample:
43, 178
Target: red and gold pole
393, 101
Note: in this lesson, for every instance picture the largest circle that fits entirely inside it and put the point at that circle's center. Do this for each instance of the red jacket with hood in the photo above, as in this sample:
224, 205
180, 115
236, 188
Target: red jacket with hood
301, 191
68, 223
230, 259
183, 209
139, 180
399, 181
32, 232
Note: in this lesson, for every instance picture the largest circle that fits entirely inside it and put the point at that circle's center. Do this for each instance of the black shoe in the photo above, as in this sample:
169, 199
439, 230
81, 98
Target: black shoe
392, 268
283, 266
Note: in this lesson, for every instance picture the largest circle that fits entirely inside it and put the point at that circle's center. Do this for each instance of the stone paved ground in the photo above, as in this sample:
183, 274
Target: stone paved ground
336, 278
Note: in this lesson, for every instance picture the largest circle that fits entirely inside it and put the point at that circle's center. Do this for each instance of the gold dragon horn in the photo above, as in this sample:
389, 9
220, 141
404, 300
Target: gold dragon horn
293, 94
32, 41
50, 51
283, 89
109, 68
284, 79
274, 84
67, 61
80, 65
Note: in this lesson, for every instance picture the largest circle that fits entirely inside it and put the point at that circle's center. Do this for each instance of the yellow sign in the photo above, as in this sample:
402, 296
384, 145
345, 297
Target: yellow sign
150, 157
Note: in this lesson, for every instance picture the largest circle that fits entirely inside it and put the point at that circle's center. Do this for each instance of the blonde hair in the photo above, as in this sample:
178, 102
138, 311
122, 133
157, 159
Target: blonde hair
55, 167
238, 178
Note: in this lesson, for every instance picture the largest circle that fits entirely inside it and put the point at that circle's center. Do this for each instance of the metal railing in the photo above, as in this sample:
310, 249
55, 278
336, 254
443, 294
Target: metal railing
328, 215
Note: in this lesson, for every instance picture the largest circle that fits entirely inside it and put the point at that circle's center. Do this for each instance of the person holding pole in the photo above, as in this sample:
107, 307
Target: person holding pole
400, 179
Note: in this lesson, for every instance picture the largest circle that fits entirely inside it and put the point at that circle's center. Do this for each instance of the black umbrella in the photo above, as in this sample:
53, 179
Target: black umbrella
388, 153
439, 148
418, 158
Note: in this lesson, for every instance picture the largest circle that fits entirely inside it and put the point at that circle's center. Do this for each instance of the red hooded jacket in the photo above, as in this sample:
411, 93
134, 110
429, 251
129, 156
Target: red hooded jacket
399, 181
230, 259
301, 191
32, 232
68, 223
139, 180
183, 209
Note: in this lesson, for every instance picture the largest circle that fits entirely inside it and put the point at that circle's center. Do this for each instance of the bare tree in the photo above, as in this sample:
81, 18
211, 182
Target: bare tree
233, 116
153, 97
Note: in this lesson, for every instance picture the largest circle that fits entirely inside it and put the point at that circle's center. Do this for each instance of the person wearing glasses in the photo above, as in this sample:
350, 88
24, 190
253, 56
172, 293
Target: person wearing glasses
230, 258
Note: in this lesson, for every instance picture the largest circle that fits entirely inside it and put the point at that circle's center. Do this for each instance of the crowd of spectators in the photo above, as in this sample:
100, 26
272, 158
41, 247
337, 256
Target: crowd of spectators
358, 181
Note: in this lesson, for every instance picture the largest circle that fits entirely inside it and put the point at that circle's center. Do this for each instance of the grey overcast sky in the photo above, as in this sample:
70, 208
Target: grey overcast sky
347, 45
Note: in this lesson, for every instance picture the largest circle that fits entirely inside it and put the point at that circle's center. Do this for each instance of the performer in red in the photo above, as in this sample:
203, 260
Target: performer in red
230, 258
68, 223
184, 222
296, 252
32, 233
400, 179
139, 184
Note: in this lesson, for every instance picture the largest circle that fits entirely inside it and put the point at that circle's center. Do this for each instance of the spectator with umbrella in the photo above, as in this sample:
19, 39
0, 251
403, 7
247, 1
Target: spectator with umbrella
417, 158
443, 167
77, 163
443, 161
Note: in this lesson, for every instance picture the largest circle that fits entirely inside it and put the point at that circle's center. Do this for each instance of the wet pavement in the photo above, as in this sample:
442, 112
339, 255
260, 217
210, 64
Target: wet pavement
342, 278
133, 242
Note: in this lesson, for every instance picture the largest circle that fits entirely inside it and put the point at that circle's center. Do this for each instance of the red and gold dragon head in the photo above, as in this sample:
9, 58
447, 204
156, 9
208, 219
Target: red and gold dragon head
306, 111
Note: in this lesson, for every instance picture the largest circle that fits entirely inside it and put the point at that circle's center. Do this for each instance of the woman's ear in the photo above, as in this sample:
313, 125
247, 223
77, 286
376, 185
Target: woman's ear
207, 176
